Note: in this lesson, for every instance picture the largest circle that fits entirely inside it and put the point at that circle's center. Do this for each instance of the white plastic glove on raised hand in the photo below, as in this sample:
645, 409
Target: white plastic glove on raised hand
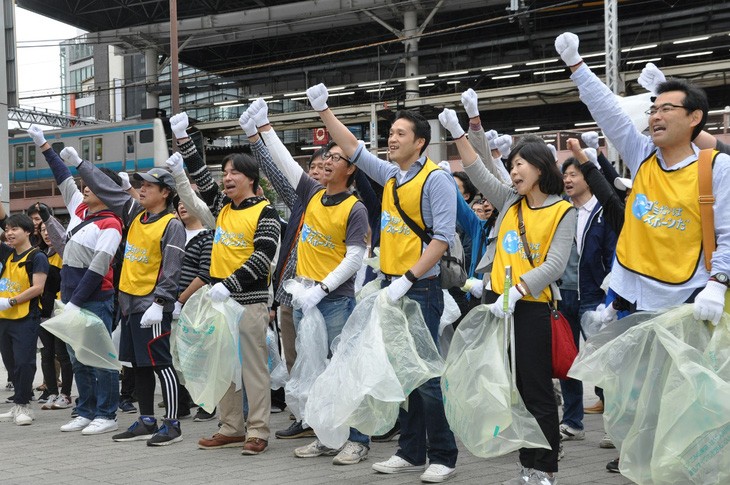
152, 316
450, 121
709, 303
70, 156
553, 150
445, 165
126, 184
497, 308
311, 297
491, 137
470, 100
477, 289
567, 46
4, 304
175, 163
651, 77
259, 112
36, 133
504, 145
590, 138
608, 314
248, 125
70, 307
219, 293
318, 95
176, 311
592, 155
179, 125
397, 289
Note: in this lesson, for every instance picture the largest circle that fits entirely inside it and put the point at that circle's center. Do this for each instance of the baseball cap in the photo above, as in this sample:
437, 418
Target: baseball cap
623, 183
158, 176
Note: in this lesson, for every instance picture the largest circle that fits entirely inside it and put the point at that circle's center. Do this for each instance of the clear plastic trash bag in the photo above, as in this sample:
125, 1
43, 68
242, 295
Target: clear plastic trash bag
87, 335
483, 408
204, 347
277, 368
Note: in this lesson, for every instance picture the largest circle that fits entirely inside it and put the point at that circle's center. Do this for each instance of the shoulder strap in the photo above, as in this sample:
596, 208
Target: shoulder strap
87, 221
410, 222
706, 199
523, 237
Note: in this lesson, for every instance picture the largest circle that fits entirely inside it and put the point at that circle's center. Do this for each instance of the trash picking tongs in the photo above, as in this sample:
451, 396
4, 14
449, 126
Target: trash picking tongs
509, 336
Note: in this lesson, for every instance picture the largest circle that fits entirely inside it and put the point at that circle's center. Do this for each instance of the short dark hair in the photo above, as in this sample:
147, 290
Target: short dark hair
571, 161
695, 98
245, 164
469, 187
22, 221
319, 153
420, 125
112, 175
539, 156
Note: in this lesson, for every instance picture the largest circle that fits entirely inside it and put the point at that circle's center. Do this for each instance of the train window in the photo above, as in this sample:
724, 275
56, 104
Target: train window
20, 157
130, 142
85, 149
146, 136
31, 156
98, 149
58, 146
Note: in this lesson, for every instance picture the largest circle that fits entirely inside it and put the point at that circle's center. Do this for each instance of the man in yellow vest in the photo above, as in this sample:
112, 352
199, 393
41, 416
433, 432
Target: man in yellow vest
22, 279
428, 196
245, 242
147, 290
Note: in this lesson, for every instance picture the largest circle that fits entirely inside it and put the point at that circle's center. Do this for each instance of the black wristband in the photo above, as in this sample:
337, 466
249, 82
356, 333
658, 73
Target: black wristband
410, 276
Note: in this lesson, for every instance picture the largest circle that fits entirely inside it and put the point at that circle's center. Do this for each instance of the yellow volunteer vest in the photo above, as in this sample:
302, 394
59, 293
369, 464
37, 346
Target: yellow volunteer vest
143, 256
56, 261
321, 247
540, 227
14, 282
662, 234
233, 239
400, 247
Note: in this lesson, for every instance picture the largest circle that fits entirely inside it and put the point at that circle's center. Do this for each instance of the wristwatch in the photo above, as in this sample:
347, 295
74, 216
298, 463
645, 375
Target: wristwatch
410, 276
721, 278
325, 288
12, 302
160, 301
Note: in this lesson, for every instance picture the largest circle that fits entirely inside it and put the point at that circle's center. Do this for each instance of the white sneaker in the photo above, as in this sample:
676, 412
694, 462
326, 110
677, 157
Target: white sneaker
49, 402
315, 448
76, 424
24, 415
606, 442
569, 434
521, 479
396, 464
100, 426
542, 478
351, 454
61, 402
10, 415
437, 473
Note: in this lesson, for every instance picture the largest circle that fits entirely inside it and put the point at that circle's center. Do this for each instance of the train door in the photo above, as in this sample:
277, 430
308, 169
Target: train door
19, 169
130, 151
86, 148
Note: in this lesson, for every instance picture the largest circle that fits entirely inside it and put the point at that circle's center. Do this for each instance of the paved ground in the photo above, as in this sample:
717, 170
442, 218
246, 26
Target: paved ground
40, 453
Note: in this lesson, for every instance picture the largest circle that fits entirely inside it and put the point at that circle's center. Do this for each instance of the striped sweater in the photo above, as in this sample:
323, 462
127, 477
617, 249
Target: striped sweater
196, 263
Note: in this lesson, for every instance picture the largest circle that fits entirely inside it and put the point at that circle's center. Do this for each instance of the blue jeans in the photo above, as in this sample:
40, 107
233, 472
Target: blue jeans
336, 309
98, 388
424, 430
23, 336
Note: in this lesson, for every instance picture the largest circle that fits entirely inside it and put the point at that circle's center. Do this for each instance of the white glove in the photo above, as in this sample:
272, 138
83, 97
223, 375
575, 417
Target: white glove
70, 156
651, 77
318, 97
504, 145
175, 163
4, 304
176, 311
259, 112
219, 293
397, 289
248, 125
36, 133
491, 137
592, 155
450, 121
477, 289
152, 316
608, 314
311, 297
567, 46
126, 185
70, 307
590, 138
445, 165
709, 303
179, 125
497, 308
553, 150
470, 101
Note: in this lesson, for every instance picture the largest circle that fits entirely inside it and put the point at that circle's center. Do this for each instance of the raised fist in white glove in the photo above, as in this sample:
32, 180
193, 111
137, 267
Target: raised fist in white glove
567, 46
318, 97
491, 137
497, 308
175, 163
450, 121
219, 293
4, 304
311, 297
709, 303
651, 77
126, 185
176, 311
248, 125
259, 112
470, 100
590, 138
504, 145
36, 133
70, 156
397, 289
179, 125
592, 156
152, 316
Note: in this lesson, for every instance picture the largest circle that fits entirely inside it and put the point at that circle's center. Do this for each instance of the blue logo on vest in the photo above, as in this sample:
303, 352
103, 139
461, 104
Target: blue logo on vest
511, 242
384, 219
640, 207
305, 232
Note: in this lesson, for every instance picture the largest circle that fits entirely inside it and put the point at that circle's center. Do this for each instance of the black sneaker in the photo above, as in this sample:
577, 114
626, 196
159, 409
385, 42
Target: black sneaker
127, 407
142, 429
203, 415
44, 397
184, 413
168, 433
383, 438
10, 399
613, 466
296, 430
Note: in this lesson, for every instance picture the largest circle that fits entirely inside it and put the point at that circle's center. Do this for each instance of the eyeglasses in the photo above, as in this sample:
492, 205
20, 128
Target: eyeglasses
336, 157
663, 109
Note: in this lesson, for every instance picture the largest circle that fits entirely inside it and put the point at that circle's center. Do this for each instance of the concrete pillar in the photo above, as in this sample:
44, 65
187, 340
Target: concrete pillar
436, 150
7, 20
374, 129
410, 27
150, 70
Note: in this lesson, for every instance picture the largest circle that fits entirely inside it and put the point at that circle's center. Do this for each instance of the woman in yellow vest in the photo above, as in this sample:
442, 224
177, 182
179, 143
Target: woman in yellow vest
22, 278
549, 228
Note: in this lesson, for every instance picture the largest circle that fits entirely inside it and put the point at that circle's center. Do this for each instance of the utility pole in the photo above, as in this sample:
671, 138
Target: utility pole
174, 74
